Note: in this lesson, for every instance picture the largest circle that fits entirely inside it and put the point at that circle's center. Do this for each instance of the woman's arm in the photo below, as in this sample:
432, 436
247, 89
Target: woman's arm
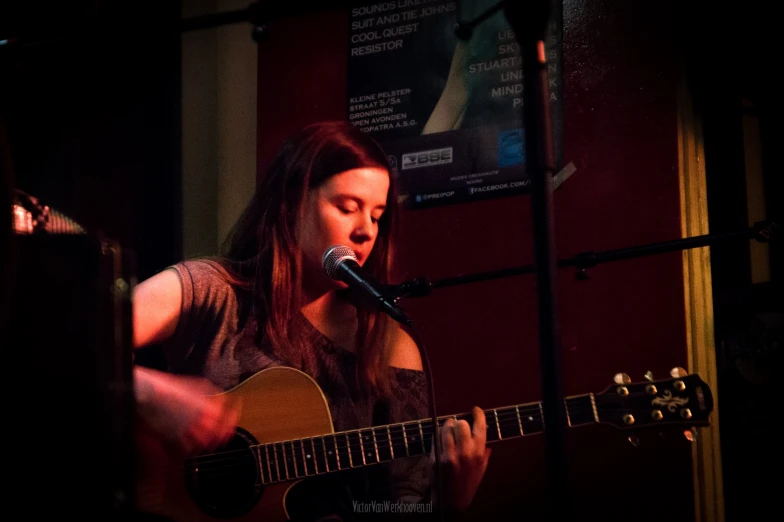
157, 302
189, 411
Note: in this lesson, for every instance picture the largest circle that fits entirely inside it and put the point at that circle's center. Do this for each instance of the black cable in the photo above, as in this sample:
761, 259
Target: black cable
409, 323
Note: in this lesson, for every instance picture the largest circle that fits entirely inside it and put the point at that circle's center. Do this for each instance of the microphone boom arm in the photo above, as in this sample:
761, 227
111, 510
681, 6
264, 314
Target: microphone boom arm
762, 232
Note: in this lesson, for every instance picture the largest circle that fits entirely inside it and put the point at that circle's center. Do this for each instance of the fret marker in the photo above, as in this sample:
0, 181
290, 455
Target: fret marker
313, 447
304, 462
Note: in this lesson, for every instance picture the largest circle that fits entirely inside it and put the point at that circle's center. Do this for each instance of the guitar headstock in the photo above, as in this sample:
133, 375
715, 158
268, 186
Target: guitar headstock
680, 400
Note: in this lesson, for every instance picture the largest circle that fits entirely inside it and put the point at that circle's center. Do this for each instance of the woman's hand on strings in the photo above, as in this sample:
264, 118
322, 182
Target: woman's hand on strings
464, 458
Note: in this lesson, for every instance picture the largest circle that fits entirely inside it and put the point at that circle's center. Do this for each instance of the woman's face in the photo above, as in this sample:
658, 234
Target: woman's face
344, 210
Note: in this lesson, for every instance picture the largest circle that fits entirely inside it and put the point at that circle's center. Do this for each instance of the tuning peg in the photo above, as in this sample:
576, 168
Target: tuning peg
678, 372
621, 378
634, 440
649, 376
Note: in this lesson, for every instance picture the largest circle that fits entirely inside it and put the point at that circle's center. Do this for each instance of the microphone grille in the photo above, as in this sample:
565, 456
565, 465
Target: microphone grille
332, 258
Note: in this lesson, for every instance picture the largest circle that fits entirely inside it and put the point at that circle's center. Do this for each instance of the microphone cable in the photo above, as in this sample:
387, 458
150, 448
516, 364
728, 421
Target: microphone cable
331, 261
415, 335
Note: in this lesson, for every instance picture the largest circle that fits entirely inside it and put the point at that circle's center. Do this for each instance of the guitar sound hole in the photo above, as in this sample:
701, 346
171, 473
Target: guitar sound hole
225, 483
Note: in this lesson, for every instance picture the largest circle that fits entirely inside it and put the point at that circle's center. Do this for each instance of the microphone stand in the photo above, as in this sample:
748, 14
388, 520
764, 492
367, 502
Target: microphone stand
530, 19
762, 232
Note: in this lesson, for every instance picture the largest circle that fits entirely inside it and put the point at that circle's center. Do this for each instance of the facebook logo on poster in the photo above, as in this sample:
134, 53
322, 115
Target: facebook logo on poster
511, 148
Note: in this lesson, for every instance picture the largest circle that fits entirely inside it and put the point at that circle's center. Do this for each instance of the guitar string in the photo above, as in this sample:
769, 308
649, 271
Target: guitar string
413, 424
509, 413
289, 468
282, 451
223, 467
295, 462
296, 470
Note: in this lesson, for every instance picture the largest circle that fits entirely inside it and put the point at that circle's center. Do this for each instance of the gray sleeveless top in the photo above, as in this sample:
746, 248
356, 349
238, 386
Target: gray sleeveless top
216, 337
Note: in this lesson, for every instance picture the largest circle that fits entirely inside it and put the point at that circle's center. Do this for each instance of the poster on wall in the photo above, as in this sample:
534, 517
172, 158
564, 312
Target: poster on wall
447, 111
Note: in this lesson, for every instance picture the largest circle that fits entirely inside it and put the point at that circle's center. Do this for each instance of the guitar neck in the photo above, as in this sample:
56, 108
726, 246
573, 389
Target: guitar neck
288, 460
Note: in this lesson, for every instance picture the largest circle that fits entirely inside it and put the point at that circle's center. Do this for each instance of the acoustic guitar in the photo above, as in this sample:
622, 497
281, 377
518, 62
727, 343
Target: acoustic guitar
285, 435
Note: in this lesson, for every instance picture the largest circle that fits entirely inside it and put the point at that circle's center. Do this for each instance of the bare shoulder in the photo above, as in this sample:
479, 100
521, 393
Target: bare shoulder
403, 351
161, 285
156, 307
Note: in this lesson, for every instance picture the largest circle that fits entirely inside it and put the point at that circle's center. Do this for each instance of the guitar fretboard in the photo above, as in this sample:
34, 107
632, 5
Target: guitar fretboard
299, 458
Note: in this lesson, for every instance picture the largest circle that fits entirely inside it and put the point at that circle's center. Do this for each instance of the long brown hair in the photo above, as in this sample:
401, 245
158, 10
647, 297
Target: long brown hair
262, 254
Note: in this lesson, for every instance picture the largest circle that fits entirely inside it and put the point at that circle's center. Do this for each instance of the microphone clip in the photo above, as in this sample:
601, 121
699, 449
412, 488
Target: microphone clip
419, 287
340, 263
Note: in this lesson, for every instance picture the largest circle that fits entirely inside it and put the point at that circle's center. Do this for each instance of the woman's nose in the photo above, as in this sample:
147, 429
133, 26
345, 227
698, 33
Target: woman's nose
365, 228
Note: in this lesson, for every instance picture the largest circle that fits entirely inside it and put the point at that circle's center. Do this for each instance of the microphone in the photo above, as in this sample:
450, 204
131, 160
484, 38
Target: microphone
340, 264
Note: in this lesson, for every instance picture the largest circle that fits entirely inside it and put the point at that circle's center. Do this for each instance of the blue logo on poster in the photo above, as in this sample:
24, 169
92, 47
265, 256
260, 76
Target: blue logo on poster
511, 148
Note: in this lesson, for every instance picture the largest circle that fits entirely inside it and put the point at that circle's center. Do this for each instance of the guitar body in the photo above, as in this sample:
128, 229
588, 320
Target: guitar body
278, 404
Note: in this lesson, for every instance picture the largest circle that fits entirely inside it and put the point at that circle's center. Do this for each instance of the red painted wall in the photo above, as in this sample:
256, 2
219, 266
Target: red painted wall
620, 132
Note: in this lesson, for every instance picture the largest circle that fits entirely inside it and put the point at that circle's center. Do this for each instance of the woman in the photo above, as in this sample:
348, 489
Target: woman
268, 302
